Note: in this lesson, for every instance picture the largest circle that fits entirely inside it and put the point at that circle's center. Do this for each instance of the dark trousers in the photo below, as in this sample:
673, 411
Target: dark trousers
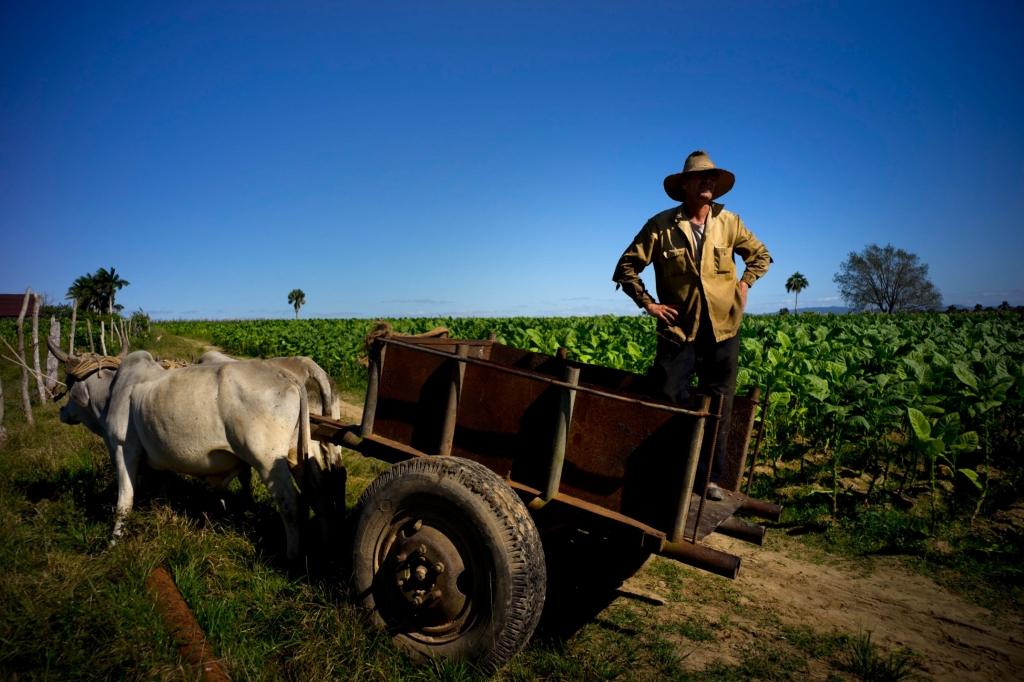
715, 364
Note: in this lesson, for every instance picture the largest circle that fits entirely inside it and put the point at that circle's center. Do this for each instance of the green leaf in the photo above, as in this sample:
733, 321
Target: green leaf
966, 375
946, 427
965, 442
933, 447
922, 427
971, 476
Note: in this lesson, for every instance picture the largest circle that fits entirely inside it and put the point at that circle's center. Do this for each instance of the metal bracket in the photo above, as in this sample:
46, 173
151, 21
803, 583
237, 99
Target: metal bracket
454, 395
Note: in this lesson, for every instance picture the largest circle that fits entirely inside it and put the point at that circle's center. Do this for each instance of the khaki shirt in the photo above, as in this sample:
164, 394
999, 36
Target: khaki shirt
667, 241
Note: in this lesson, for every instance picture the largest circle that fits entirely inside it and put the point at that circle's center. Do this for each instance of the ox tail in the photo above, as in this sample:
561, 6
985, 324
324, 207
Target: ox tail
329, 406
311, 484
305, 444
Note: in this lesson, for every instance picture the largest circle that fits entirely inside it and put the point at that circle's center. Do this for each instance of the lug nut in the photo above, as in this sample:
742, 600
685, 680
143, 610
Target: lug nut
401, 581
401, 558
438, 567
417, 600
436, 594
422, 549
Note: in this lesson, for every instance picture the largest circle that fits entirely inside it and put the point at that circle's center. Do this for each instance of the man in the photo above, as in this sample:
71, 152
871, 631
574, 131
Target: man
701, 300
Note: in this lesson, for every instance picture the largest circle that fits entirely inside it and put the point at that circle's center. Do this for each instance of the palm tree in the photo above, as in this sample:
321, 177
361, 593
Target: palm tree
109, 283
298, 299
797, 283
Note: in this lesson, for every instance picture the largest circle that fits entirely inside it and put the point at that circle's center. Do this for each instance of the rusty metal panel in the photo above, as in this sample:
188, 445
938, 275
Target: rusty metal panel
506, 423
412, 398
626, 458
740, 428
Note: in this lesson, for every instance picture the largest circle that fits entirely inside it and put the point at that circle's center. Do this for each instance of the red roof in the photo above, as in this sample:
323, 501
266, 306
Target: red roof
10, 305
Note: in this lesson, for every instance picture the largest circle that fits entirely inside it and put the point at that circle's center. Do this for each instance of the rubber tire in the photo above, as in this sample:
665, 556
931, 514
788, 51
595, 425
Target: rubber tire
489, 512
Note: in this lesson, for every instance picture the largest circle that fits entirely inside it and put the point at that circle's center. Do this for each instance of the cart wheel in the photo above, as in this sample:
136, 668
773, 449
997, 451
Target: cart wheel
446, 557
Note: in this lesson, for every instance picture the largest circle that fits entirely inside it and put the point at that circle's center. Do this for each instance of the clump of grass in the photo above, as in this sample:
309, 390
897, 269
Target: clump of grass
863, 660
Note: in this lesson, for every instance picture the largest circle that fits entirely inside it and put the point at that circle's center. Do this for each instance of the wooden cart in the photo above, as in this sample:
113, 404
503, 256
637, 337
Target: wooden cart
496, 452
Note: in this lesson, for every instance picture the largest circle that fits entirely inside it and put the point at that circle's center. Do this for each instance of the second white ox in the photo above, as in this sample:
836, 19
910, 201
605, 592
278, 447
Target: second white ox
320, 389
208, 421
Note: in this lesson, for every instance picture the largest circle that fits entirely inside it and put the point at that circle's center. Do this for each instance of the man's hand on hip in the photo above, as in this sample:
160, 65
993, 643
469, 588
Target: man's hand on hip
665, 313
744, 288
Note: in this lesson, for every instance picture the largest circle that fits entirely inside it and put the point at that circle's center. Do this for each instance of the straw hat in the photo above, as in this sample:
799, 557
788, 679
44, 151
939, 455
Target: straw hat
695, 163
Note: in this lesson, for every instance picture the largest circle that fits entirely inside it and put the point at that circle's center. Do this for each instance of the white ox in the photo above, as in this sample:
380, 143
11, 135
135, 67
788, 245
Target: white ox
320, 389
212, 422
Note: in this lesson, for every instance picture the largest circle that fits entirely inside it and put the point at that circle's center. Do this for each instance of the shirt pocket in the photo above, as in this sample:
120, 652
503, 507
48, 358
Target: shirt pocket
679, 259
723, 260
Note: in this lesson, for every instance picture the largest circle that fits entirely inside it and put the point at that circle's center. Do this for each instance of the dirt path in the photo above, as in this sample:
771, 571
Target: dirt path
956, 639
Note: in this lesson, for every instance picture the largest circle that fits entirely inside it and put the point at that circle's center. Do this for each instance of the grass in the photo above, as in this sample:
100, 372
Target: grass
73, 608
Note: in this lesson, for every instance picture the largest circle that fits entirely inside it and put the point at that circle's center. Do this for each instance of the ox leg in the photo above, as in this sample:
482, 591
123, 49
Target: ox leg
317, 495
278, 480
126, 463
245, 479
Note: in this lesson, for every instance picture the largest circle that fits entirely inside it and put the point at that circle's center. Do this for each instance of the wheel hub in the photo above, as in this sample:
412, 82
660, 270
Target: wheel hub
426, 566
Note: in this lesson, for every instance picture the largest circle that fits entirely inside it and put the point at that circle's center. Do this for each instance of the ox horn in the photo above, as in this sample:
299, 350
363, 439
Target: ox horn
55, 349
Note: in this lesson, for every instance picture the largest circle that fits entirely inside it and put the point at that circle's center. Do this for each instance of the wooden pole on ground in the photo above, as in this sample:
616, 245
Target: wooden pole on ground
88, 324
103, 336
51, 360
26, 402
74, 318
40, 386
183, 628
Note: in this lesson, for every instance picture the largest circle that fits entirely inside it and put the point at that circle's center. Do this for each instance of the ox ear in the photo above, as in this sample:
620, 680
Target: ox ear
57, 352
80, 393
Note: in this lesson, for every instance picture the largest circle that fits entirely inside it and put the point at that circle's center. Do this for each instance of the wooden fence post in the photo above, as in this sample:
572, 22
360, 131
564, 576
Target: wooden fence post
88, 325
51, 360
26, 402
103, 336
74, 318
40, 387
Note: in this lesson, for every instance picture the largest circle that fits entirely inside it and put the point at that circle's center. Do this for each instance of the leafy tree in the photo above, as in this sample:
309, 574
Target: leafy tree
1004, 306
96, 292
797, 283
298, 299
84, 289
886, 278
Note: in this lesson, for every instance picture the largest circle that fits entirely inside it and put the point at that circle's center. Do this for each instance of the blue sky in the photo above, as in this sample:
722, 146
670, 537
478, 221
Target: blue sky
496, 159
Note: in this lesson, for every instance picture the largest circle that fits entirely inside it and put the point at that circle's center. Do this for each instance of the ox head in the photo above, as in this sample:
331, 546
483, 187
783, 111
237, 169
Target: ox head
88, 378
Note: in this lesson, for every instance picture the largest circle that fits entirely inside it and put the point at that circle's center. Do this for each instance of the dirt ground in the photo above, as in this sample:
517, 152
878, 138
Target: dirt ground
956, 640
